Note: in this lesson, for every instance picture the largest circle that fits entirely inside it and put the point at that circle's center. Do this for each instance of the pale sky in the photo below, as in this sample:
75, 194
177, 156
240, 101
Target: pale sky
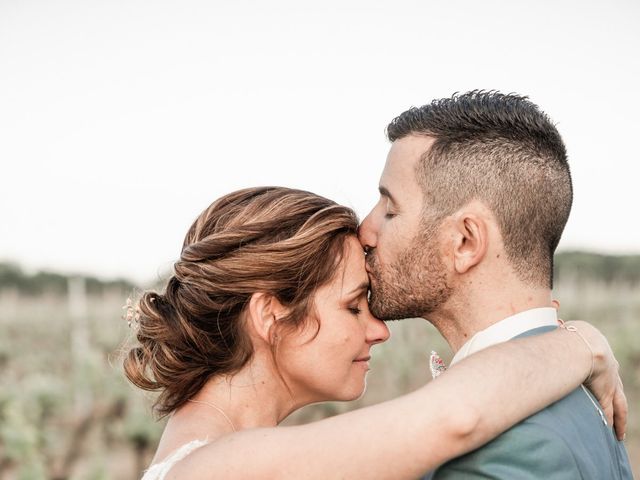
120, 120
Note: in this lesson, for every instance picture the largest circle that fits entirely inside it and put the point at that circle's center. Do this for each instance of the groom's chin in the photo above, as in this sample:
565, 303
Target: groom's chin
377, 310
384, 310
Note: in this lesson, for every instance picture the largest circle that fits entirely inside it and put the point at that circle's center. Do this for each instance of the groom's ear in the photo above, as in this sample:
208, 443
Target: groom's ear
470, 236
263, 312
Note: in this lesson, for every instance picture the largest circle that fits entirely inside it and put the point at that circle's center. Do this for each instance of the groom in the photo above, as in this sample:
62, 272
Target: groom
474, 197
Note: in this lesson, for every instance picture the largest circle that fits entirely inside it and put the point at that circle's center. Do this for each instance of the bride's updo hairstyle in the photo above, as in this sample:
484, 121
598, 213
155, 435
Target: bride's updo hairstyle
276, 240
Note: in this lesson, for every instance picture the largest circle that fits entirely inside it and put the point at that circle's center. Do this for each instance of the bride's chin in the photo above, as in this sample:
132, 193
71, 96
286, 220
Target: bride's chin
358, 393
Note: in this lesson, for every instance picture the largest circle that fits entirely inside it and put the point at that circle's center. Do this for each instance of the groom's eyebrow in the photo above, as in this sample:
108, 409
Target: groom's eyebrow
386, 193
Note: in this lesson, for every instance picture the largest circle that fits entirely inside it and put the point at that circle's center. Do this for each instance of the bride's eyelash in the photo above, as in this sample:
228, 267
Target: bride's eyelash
355, 310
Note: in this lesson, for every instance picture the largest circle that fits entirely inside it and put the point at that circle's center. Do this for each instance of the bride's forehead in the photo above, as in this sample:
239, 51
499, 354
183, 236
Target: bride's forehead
350, 272
352, 256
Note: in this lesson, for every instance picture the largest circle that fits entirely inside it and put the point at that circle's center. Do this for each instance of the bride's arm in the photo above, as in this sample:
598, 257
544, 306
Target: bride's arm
464, 408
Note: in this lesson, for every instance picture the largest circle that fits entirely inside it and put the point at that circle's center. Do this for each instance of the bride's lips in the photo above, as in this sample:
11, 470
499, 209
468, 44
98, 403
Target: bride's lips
362, 359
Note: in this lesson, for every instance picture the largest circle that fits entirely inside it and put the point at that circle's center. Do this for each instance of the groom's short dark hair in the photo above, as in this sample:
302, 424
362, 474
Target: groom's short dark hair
503, 150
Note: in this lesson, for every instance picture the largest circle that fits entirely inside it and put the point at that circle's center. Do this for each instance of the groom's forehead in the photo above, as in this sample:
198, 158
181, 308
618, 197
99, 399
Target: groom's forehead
399, 171
406, 152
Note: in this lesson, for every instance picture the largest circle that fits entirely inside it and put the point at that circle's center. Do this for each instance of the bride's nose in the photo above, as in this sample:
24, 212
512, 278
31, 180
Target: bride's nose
377, 331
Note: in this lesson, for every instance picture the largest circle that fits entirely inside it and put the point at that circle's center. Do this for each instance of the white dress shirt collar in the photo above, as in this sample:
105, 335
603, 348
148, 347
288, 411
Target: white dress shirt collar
507, 329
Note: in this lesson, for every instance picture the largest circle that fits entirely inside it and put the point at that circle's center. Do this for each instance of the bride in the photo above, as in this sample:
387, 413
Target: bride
267, 312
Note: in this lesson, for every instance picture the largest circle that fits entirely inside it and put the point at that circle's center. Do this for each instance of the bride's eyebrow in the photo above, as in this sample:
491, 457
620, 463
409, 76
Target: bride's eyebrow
364, 286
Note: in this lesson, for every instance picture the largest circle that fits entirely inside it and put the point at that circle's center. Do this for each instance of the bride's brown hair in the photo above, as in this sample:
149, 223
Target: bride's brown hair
276, 240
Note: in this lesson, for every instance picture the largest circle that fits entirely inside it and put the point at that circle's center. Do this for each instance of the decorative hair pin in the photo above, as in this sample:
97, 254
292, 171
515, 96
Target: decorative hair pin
131, 314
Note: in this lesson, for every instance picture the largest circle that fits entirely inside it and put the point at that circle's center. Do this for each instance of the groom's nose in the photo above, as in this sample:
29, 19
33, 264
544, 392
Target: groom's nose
366, 233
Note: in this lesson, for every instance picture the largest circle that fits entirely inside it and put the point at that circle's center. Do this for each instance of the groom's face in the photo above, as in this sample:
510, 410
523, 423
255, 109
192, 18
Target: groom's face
406, 270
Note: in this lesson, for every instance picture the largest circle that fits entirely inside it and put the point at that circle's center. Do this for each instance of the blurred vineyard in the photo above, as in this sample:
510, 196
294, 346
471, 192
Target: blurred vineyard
67, 413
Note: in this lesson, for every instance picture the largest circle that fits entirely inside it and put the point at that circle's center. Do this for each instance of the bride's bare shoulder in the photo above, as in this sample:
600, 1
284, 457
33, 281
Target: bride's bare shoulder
245, 454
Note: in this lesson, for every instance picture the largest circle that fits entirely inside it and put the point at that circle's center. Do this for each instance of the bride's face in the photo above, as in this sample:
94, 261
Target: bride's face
332, 364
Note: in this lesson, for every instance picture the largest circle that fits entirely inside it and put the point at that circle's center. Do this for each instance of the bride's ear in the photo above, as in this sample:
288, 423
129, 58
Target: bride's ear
262, 312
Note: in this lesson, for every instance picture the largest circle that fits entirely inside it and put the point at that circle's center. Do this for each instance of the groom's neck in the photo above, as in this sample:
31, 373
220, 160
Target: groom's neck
478, 305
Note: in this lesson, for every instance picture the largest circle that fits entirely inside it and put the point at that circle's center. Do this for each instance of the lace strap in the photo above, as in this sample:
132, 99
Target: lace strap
159, 470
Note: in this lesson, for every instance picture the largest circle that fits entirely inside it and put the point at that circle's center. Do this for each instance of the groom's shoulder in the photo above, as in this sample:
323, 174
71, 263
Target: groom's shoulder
527, 451
566, 440
576, 420
569, 439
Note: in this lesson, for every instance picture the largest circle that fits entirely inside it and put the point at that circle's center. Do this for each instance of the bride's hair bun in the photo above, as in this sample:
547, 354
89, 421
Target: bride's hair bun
275, 240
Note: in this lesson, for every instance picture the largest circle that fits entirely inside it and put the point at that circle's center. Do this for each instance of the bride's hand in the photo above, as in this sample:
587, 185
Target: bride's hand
604, 381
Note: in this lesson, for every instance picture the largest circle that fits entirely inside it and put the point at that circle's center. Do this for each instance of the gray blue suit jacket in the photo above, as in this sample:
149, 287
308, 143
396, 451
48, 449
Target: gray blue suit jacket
566, 441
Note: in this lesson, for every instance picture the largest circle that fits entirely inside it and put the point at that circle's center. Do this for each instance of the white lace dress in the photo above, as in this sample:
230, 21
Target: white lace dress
159, 470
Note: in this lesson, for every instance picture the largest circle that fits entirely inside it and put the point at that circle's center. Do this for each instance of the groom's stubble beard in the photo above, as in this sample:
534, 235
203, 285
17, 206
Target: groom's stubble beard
415, 285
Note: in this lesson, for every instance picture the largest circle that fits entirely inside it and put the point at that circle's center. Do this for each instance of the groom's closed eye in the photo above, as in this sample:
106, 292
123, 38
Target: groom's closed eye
390, 207
389, 213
